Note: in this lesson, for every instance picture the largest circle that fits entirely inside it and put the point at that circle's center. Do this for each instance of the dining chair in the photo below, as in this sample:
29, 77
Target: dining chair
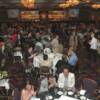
89, 85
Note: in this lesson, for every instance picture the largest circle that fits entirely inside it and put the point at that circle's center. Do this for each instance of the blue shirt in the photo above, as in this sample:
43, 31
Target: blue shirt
72, 60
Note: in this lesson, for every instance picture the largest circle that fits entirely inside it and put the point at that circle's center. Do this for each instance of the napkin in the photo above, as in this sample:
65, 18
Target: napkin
66, 98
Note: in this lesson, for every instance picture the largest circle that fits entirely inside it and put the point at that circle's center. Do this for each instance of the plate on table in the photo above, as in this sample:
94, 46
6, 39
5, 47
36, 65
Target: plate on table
60, 93
70, 93
82, 98
33, 98
82, 92
50, 97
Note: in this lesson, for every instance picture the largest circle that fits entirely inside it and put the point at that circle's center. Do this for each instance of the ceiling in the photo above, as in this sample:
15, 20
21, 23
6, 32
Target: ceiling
38, 3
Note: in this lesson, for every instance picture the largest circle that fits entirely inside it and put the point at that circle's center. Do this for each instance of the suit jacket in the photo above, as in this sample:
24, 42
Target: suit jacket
70, 80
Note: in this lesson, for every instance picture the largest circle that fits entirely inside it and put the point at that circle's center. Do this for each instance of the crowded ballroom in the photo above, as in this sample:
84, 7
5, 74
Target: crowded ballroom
49, 49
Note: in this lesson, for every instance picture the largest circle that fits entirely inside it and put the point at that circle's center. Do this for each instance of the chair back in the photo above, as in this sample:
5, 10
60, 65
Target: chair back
17, 59
89, 85
44, 70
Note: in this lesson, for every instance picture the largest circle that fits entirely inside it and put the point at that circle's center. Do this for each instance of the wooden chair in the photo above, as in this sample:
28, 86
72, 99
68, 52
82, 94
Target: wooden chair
44, 70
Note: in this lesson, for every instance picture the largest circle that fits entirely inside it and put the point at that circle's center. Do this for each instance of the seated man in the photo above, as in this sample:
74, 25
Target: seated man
66, 80
43, 82
46, 62
52, 82
72, 59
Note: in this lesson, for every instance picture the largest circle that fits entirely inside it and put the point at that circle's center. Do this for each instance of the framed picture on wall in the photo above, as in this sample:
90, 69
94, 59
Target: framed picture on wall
73, 13
13, 13
57, 15
29, 15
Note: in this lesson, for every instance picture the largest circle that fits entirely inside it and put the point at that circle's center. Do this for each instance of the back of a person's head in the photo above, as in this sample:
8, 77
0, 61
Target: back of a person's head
50, 76
45, 57
28, 82
66, 66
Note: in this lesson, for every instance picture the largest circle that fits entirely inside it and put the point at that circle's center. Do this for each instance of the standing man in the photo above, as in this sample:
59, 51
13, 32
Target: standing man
93, 47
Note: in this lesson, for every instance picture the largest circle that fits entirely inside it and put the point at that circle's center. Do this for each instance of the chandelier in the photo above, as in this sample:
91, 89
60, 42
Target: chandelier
28, 3
72, 3
95, 6
69, 3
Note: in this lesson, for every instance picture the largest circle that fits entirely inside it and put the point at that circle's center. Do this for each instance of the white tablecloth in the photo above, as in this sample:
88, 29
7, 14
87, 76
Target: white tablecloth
66, 98
33, 98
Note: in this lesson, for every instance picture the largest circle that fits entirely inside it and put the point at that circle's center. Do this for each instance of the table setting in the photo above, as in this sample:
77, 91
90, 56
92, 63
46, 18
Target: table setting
62, 94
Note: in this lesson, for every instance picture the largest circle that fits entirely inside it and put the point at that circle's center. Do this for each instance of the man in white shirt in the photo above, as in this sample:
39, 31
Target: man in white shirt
93, 47
66, 80
93, 43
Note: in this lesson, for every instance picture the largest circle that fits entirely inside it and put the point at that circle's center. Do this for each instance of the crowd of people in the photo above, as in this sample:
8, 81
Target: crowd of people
50, 53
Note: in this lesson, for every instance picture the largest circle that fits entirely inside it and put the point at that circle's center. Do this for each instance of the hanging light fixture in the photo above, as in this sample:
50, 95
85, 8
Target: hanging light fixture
86, 1
95, 6
69, 3
72, 3
28, 3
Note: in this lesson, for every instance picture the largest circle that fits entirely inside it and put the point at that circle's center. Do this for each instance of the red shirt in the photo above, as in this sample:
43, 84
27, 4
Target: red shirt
14, 37
1, 44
